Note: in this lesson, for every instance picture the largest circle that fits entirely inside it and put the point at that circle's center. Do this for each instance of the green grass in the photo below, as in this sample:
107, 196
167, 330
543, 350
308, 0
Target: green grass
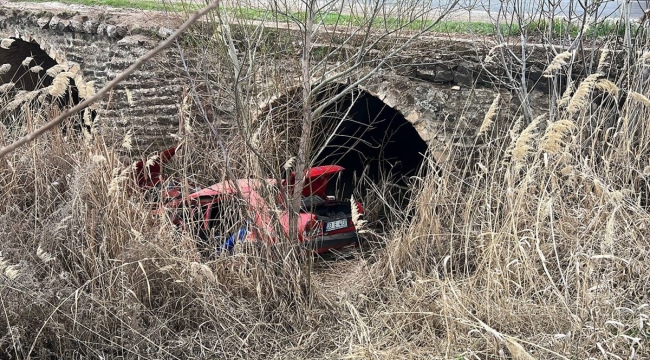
560, 27
331, 18
133, 4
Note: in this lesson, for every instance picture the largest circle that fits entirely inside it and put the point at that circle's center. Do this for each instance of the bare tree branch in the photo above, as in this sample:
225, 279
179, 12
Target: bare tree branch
391, 55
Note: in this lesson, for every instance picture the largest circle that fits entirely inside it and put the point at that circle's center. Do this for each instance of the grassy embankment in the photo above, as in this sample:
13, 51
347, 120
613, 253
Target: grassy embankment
534, 27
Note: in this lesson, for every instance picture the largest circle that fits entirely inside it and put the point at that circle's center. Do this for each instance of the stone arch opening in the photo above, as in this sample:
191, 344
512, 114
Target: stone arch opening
372, 140
22, 73
25, 64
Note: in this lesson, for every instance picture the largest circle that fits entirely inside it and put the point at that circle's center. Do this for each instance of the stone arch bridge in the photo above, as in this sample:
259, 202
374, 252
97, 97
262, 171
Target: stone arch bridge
438, 86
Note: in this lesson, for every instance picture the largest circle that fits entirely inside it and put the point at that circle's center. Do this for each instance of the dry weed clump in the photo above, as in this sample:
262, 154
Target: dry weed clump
87, 269
490, 116
546, 258
558, 62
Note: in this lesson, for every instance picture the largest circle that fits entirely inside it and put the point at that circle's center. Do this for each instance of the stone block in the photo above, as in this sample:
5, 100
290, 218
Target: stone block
101, 29
90, 27
110, 31
444, 75
44, 22
116, 31
54, 22
76, 24
464, 76
164, 32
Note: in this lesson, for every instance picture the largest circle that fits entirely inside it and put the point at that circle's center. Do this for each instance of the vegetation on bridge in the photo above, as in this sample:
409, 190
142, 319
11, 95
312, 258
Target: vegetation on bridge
559, 26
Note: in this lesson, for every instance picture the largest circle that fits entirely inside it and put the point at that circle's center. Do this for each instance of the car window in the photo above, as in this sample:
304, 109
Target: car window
311, 201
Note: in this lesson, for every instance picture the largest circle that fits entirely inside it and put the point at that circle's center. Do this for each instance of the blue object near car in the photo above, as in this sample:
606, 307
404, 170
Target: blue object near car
229, 244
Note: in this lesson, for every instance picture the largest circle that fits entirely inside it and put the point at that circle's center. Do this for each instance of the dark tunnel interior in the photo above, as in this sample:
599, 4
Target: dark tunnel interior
25, 79
20, 74
372, 141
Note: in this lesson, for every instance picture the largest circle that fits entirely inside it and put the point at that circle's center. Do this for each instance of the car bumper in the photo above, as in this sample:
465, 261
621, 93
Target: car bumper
326, 242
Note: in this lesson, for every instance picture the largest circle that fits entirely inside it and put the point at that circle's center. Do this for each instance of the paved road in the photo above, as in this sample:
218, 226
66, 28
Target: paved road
476, 10
609, 8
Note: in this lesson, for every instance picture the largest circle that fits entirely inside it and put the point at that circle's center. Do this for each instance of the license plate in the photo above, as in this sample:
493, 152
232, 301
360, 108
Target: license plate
335, 225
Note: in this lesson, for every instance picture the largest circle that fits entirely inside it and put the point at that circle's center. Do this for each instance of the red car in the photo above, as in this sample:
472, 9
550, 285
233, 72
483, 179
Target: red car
251, 209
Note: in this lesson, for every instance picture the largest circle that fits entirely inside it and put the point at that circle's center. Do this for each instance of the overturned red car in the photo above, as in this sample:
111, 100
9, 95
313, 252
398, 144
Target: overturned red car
252, 209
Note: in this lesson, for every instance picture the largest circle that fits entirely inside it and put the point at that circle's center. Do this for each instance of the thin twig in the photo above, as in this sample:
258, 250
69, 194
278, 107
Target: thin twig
121, 77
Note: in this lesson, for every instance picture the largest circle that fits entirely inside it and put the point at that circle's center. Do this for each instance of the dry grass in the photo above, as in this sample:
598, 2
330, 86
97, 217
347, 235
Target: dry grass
544, 256
558, 62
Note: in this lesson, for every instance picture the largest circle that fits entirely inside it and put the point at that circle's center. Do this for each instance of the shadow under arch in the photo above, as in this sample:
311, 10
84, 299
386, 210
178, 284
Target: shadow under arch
376, 144
20, 73
28, 65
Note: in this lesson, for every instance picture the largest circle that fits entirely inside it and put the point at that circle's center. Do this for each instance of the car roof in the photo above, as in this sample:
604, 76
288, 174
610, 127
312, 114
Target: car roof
315, 182
246, 186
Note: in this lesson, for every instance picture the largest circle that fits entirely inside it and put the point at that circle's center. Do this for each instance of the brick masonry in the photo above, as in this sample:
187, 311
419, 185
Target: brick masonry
430, 84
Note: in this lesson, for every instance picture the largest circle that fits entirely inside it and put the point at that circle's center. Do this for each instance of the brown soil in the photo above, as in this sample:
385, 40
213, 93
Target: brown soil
133, 17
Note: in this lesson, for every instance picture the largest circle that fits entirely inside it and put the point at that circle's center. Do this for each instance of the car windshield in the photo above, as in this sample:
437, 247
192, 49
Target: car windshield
311, 201
307, 202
